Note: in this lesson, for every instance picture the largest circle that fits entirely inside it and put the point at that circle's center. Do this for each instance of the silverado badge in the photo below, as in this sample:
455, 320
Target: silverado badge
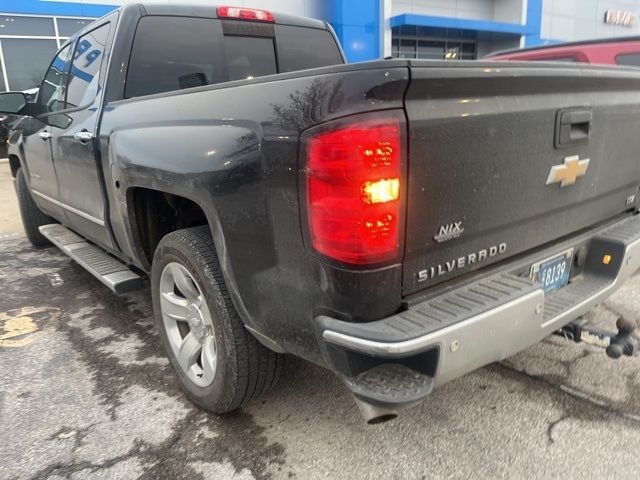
459, 263
567, 173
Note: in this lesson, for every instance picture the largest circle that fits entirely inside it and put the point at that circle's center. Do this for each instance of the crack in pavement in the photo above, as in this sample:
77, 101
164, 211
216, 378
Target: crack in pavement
140, 450
552, 426
587, 398
575, 395
78, 434
167, 460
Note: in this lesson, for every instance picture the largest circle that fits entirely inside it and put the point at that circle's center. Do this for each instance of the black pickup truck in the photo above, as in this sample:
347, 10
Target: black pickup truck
399, 222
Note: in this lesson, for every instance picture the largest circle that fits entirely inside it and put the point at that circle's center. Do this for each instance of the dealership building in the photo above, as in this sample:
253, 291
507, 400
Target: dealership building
32, 30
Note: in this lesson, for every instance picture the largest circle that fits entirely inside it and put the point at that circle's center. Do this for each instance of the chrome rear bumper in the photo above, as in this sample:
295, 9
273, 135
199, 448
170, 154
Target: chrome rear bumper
480, 322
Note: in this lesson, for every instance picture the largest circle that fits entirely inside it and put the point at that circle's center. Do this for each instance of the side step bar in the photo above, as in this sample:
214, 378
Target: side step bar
110, 271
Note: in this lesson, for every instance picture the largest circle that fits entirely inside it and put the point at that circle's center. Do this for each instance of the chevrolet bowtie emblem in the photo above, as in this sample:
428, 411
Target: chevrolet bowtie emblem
568, 173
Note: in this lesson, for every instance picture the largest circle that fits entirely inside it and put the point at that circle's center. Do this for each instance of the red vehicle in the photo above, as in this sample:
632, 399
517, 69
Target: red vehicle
613, 51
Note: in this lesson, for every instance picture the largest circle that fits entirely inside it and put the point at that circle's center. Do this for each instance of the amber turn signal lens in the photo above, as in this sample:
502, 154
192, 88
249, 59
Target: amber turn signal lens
381, 191
606, 259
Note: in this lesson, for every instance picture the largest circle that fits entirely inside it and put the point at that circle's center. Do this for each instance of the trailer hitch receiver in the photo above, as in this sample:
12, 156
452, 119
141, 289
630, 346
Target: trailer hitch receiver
615, 344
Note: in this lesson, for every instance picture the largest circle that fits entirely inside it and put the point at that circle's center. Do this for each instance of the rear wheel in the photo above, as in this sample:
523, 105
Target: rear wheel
32, 216
219, 364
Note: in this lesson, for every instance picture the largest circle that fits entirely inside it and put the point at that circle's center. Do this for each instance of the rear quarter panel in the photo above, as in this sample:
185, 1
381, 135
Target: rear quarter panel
233, 149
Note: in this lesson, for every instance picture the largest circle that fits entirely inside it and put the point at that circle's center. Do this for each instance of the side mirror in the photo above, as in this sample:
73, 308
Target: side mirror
59, 120
57, 105
12, 102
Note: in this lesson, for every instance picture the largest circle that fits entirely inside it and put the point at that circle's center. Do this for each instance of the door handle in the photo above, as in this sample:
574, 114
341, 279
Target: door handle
45, 135
83, 136
573, 126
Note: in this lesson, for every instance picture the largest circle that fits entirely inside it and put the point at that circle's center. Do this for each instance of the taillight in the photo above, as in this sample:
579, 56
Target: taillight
353, 183
240, 13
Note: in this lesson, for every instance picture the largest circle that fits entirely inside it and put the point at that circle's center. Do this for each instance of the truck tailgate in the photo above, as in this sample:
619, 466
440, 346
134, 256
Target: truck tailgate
483, 141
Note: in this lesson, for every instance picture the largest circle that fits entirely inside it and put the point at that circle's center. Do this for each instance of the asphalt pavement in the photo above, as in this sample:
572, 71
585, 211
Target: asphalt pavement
86, 393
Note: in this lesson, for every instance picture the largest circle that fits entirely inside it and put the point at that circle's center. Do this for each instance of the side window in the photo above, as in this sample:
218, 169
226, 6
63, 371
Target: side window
559, 59
630, 59
52, 92
85, 70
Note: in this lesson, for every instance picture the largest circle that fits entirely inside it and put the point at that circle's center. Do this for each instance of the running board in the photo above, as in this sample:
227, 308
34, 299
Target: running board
110, 271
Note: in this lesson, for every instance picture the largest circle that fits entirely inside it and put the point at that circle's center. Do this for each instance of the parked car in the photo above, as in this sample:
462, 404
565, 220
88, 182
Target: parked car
4, 131
612, 51
31, 94
399, 222
8, 121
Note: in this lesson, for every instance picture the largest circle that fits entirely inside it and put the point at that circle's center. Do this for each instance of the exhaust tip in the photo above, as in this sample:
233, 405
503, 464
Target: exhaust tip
374, 414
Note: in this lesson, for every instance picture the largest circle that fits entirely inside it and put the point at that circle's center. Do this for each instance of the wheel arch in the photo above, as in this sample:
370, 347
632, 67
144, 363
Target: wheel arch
154, 213
148, 207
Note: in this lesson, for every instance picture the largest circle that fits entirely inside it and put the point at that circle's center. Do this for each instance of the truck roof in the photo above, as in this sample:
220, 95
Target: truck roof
596, 41
186, 9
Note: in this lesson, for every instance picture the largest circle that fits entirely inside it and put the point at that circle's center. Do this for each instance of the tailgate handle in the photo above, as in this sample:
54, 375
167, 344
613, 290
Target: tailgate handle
573, 127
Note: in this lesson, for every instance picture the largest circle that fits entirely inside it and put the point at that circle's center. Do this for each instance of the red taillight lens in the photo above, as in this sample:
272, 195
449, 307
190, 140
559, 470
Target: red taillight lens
245, 14
353, 191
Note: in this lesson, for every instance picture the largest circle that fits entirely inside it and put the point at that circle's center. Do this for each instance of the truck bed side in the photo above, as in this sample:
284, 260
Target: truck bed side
233, 150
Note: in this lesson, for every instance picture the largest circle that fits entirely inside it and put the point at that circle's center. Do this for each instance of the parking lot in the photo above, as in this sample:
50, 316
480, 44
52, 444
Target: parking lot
86, 392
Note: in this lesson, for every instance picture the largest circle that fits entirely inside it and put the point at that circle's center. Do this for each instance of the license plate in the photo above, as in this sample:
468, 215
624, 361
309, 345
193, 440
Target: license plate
553, 273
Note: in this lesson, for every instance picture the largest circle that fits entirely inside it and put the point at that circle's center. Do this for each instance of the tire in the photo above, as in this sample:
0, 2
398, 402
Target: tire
244, 368
32, 216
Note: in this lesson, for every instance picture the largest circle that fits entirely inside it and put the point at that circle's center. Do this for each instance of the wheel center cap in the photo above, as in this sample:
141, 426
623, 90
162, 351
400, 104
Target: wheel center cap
196, 322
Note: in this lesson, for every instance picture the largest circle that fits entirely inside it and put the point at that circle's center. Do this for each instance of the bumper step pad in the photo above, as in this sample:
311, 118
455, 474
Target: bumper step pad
110, 271
390, 384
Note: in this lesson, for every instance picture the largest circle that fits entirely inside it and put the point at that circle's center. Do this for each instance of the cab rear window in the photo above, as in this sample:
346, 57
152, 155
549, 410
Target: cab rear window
301, 48
249, 57
204, 51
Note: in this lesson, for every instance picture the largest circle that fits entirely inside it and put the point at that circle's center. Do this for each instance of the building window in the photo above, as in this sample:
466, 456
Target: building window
26, 61
27, 45
69, 26
409, 41
23, 26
